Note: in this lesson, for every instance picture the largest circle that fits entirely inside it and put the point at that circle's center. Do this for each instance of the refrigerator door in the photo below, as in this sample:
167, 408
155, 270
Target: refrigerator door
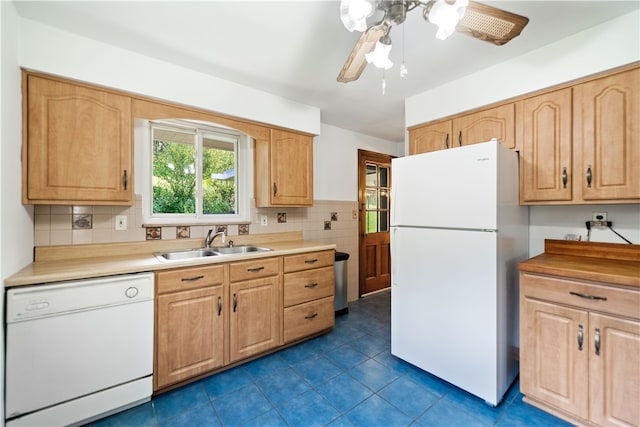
444, 305
453, 188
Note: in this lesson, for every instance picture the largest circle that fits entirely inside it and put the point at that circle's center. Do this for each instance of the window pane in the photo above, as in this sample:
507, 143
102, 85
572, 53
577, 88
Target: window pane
384, 221
372, 222
174, 172
384, 177
372, 199
372, 175
384, 199
218, 176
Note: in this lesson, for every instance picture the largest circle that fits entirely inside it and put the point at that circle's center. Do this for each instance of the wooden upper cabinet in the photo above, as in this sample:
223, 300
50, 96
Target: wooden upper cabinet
433, 137
607, 138
77, 144
284, 170
498, 122
545, 144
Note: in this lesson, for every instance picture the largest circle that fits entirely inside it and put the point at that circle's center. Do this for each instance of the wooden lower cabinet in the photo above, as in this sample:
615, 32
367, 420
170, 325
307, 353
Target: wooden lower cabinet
255, 317
580, 343
308, 294
190, 323
215, 316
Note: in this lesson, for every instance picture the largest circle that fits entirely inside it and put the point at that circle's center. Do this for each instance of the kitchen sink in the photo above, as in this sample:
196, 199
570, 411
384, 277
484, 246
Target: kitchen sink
188, 254
240, 249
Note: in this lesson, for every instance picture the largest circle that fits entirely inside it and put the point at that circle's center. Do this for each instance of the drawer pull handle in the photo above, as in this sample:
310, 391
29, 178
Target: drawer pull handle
580, 337
255, 270
311, 316
588, 296
192, 279
596, 342
311, 261
311, 285
219, 306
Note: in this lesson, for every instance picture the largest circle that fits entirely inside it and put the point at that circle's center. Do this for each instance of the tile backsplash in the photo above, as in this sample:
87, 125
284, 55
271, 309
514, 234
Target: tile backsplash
326, 221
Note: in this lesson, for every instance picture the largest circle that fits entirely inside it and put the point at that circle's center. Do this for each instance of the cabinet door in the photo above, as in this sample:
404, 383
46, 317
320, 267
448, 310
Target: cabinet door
607, 135
190, 334
498, 122
553, 366
432, 137
255, 317
79, 146
614, 371
291, 168
545, 172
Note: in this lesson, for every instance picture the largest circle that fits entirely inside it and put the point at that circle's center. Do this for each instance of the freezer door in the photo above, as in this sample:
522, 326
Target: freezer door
443, 305
455, 188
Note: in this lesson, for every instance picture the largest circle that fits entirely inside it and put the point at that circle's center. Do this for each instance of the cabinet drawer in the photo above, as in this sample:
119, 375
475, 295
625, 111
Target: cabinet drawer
254, 269
308, 285
189, 278
308, 318
308, 260
619, 301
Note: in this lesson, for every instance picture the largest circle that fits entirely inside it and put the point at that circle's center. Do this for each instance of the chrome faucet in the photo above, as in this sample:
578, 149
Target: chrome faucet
208, 241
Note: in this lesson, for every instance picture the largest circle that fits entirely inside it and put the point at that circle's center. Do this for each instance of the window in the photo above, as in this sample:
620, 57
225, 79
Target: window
377, 197
195, 173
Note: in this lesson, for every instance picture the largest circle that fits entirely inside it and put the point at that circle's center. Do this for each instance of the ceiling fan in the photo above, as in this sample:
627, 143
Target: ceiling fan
483, 22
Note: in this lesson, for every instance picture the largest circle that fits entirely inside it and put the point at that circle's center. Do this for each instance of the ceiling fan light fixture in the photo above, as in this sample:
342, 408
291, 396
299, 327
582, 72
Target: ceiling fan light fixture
380, 55
446, 16
354, 14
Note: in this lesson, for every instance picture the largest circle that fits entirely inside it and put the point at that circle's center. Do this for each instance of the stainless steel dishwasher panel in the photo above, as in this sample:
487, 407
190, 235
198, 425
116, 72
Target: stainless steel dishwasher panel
70, 340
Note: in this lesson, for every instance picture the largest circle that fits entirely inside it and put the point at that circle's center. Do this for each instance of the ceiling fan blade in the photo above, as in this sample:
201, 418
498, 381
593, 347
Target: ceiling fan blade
356, 62
491, 24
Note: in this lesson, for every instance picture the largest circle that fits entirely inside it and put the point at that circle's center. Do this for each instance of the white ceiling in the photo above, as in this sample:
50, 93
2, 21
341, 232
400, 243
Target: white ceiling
295, 49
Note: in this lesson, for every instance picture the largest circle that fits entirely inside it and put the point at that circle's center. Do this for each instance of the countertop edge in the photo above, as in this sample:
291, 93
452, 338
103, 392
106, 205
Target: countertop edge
39, 272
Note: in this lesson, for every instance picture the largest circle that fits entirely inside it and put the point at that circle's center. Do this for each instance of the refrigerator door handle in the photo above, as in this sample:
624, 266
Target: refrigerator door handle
393, 247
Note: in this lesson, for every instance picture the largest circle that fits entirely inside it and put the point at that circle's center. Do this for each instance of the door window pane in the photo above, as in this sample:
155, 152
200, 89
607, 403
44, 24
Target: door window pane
384, 221
372, 222
372, 175
384, 177
372, 199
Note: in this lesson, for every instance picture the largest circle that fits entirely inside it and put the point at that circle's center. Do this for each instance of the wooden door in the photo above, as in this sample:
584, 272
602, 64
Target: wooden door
614, 371
255, 317
498, 122
190, 334
545, 143
79, 145
374, 186
553, 367
291, 168
607, 135
431, 137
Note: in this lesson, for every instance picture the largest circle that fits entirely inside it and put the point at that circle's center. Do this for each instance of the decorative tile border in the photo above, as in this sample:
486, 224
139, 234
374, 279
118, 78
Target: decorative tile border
82, 221
183, 232
153, 233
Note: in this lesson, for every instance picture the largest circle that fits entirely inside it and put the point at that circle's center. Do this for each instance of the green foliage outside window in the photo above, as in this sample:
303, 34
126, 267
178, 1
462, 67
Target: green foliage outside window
174, 179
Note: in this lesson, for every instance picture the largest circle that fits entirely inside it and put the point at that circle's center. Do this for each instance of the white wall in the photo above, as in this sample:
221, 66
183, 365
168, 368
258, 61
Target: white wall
335, 161
47, 49
16, 224
600, 48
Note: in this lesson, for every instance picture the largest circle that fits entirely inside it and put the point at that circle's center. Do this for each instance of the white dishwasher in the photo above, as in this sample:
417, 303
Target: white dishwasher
78, 350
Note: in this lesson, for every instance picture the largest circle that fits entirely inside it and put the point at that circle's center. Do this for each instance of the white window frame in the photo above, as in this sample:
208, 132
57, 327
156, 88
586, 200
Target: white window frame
244, 174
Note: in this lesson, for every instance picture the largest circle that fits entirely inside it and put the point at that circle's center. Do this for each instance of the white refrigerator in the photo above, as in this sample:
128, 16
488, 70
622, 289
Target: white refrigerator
457, 236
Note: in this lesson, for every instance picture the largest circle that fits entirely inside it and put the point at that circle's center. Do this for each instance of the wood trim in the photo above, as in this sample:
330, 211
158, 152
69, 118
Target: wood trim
500, 103
593, 249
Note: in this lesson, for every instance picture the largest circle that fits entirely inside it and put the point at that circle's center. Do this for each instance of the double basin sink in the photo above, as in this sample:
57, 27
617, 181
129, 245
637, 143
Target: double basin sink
209, 252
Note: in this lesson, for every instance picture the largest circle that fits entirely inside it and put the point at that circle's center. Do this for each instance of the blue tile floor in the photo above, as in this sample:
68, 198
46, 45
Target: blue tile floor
345, 378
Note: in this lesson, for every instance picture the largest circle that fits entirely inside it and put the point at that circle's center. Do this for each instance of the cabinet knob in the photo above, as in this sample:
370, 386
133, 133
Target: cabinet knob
446, 142
589, 176
235, 302
275, 188
564, 177
125, 179
460, 138
219, 306
596, 342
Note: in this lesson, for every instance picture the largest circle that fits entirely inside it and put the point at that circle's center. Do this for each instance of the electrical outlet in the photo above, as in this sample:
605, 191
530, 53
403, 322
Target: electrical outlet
599, 216
264, 220
121, 222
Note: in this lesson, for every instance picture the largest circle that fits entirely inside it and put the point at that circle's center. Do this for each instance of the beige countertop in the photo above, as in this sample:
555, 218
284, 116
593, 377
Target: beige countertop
55, 264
